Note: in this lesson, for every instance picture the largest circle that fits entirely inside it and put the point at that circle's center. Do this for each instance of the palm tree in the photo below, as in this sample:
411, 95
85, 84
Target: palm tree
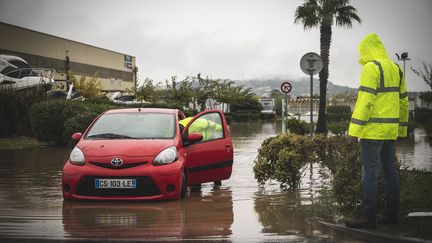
322, 14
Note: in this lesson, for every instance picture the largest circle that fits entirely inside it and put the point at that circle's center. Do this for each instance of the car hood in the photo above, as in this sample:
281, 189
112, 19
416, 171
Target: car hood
126, 147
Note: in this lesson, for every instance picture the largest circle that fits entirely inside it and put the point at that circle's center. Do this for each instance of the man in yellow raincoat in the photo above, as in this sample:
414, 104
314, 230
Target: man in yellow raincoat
380, 116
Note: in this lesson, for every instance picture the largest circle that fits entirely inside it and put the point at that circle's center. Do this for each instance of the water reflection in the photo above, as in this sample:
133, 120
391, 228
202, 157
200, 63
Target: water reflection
416, 151
286, 214
240, 210
200, 216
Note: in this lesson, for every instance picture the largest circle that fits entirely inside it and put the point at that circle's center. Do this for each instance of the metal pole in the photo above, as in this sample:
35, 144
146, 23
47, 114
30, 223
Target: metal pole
286, 113
311, 104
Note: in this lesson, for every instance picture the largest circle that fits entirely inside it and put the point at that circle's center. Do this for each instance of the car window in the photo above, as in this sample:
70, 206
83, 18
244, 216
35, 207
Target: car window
19, 64
209, 125
11, 72
133, 125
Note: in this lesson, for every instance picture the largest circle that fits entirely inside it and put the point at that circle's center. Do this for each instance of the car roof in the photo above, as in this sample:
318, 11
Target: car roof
142, 110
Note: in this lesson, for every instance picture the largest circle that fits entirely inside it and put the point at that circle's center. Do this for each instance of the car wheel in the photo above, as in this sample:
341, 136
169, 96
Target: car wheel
183, 186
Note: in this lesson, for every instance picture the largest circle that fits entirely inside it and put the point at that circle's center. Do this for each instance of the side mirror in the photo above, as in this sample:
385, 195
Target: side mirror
76, 136
195, 137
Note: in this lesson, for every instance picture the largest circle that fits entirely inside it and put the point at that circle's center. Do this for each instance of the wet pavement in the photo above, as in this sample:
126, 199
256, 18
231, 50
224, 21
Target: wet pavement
240, 210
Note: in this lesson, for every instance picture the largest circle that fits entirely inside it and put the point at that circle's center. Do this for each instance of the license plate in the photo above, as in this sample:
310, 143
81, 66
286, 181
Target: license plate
115, 183
118, 220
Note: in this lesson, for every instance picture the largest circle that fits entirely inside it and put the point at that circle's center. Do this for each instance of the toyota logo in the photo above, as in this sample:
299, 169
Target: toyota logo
116, 162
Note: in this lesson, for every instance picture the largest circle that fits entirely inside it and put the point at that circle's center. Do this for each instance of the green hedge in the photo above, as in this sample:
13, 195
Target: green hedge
297, 126
15, 108
338, 113
283, 157
338, 128
54, 121
423, 118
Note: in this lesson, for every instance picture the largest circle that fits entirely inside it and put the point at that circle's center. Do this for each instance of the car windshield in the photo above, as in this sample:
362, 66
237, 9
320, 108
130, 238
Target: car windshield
133, 126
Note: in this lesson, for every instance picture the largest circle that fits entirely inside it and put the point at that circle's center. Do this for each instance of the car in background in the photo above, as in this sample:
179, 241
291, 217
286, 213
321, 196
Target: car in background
16, 72
63, 89
144, 154
269, 107
120, 97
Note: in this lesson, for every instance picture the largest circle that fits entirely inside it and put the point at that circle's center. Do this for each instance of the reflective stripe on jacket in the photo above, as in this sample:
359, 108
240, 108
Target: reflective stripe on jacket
381, 111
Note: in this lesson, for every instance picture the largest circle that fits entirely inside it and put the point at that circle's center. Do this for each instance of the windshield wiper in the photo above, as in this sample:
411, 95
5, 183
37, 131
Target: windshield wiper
109, 135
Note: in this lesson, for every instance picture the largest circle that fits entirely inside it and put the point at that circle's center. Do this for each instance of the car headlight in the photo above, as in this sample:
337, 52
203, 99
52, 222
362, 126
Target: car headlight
77, 157
167, 156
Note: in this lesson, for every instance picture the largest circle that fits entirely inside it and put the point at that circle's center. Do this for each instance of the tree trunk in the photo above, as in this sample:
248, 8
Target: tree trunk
325, 41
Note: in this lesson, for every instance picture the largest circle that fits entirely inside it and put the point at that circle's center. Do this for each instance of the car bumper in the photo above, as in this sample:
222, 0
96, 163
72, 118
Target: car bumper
153, 182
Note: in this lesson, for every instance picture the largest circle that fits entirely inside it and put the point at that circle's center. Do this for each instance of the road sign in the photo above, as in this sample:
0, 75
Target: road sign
286, 87
311, 63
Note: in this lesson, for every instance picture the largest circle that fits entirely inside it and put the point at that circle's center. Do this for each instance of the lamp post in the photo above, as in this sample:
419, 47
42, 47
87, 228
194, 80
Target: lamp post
403, 57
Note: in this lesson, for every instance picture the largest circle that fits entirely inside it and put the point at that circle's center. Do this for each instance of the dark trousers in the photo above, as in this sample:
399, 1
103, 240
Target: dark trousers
372, 154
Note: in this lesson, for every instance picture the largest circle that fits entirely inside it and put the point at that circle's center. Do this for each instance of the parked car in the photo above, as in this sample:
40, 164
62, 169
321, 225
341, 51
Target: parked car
16, 72
145, 154
63, 89
120, 97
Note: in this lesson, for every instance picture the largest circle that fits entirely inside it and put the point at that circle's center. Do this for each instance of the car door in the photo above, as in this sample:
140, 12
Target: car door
211, 158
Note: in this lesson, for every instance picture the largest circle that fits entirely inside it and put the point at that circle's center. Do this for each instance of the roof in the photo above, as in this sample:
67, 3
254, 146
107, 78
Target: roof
82, 43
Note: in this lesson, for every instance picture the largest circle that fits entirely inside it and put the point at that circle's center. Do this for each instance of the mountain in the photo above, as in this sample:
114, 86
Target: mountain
262, 87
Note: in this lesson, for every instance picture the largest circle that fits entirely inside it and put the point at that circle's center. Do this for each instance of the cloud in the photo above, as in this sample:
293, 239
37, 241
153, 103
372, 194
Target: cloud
239, 39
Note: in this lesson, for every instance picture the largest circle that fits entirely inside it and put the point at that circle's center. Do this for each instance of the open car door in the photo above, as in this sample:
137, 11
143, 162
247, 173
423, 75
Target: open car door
211, 158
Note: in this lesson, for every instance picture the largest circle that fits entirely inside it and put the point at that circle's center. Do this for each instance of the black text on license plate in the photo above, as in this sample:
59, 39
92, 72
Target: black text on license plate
115, 183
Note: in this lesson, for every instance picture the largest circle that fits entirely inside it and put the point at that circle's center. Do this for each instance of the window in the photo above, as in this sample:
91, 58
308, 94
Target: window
133, 125
209, 125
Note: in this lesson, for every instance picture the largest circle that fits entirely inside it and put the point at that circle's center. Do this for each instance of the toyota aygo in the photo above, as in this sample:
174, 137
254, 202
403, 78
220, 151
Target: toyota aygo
145, 154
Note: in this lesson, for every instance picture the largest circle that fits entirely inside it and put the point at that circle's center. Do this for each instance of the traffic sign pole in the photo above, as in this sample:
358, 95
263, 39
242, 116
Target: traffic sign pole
286, 87
311, 64
311, 104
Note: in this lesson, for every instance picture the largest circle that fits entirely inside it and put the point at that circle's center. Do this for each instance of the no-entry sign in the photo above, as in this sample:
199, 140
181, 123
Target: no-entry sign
286, 87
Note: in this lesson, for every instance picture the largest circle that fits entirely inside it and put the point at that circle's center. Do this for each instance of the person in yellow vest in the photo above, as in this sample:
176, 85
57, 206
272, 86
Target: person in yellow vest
380, 116
209, 129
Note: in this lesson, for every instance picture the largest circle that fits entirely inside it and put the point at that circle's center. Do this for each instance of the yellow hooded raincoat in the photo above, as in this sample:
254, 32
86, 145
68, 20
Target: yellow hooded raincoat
381, 111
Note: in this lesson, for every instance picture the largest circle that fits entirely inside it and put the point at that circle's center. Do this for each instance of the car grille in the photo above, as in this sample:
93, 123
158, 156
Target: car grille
123, 166
144, 187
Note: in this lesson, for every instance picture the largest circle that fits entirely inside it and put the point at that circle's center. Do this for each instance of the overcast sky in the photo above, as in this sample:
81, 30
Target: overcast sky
235, 39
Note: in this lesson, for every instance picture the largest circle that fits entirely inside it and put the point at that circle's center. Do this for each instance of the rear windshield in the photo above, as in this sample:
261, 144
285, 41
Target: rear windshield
133, 126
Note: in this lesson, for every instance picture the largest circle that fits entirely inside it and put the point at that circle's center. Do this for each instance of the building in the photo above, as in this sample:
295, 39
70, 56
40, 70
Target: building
116, 71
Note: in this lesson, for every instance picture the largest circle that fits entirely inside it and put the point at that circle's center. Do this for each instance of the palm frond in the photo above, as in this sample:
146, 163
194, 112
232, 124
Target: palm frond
308, 15
345, 16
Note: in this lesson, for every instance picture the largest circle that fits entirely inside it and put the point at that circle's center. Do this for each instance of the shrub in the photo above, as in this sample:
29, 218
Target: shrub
422, 118
338, 113
297, 126
54, 121
423, 115
15, 108
48, 119
78, 123
338, 128
281, 158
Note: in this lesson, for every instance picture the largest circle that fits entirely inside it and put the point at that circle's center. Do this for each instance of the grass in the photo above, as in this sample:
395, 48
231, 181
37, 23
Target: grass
19, 143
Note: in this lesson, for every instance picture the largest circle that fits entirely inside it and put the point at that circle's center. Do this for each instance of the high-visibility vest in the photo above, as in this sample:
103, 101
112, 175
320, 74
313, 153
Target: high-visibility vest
207, 128
381, 111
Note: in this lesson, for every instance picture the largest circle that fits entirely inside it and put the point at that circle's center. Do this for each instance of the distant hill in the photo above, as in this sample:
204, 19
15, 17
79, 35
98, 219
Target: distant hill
300, 87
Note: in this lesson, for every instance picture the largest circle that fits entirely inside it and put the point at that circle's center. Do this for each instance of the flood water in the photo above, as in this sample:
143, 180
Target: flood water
240, 210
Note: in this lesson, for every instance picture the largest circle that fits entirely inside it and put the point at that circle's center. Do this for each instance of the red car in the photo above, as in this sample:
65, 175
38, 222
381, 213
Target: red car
145, 154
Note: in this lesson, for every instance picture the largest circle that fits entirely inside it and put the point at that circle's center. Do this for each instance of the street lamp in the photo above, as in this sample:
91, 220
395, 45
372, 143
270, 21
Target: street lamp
403, 57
